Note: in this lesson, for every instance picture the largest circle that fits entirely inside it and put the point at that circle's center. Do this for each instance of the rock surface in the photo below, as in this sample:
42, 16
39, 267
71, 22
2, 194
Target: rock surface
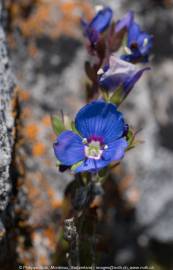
7, 119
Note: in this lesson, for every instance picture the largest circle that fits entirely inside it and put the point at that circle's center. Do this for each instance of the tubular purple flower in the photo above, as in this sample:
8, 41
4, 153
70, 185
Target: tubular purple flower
101, 140
120, 73
99, 24
139, 44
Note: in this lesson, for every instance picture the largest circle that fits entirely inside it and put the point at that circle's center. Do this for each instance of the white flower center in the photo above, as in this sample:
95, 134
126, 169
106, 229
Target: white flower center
93, 150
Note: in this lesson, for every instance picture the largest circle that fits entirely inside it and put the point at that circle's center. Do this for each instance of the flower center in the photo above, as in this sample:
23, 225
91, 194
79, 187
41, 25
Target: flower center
94, 148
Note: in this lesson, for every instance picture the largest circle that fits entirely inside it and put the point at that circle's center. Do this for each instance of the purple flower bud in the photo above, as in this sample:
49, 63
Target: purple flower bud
97, 25
139, 45
120, 73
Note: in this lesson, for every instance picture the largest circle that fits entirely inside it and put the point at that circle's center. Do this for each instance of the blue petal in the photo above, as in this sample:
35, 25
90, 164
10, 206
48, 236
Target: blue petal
69, 148
101, 119
110, 83
91, 33
125, 22
102, 20
127, 57
116, 150
133, 33
145, 49
135, 56
129, 84
92, 165
136, 42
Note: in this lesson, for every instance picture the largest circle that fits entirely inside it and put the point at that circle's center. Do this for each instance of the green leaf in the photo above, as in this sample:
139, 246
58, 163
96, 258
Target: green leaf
117, 96
57, 124
130, 137
74, 167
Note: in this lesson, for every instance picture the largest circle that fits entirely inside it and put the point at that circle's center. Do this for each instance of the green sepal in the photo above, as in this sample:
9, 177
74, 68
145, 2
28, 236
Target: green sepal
76, 165
58, 125
130, 137
117, 96
58, 163
105, 95
74, 128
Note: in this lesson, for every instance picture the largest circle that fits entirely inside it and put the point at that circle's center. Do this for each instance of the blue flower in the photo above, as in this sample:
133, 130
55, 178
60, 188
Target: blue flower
120, 74
139, 44
98, 24
101, 140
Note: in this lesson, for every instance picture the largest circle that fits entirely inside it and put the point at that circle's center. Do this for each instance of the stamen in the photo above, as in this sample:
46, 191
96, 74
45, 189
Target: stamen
93, 150
127, 50
105, 147
145, 42
84, 141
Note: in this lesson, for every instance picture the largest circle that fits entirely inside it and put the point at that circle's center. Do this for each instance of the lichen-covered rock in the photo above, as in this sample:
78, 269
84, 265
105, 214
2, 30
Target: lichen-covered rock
6, 135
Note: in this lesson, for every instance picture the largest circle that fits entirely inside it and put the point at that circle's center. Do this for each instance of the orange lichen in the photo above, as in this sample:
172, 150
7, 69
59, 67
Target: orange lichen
38, 149
24, 95
49, 233
52, 18
33, 193
26, 112
42, 260
46, 120
55, 203
68, 7
31, 131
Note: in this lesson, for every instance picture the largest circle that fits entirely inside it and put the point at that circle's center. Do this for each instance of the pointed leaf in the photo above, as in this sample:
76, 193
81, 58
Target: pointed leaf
57, 124
130, 137
74, 128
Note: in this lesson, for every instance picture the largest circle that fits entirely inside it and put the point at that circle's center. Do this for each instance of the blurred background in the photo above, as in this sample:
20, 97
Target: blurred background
47, 54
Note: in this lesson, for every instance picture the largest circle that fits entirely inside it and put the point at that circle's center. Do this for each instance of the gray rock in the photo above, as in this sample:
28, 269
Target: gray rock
6, 143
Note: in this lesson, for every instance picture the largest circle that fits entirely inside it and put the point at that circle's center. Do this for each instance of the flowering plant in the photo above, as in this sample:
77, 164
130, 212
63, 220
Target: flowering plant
98, 138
